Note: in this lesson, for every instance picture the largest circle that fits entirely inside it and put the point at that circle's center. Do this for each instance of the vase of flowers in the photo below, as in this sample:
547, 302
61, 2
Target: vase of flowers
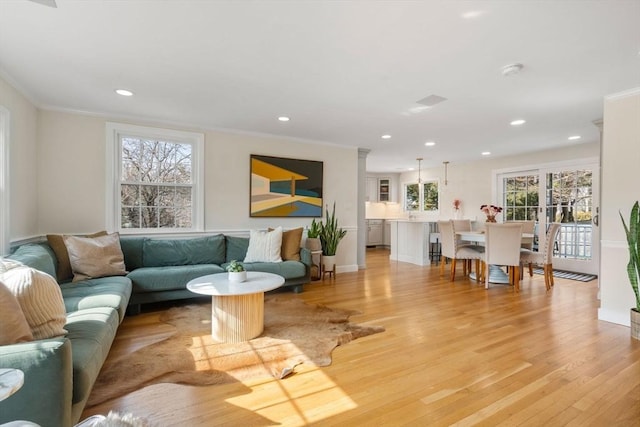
457, 213
491, 211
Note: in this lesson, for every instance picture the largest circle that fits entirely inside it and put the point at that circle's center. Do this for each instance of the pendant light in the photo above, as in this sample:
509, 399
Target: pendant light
446, 164
419, 159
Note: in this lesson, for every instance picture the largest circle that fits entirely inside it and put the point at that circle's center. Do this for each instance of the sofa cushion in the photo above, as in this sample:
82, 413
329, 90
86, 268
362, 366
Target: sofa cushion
113, 292
132, 250
154, 279
13, 325
175, 252
39, 297
92, 257
264, 246
236, 247
63, 265
36, 255
91, 332
286, 269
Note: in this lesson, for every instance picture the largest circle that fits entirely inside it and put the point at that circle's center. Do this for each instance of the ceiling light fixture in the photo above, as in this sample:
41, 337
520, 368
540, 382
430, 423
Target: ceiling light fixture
386, 136
419, 159
511, 69
284, 118
486, 153
446, 166
574, 137
124, 92
518, 122
429, 143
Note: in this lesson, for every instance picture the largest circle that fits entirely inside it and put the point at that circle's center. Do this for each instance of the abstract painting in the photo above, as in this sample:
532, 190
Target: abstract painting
282, 187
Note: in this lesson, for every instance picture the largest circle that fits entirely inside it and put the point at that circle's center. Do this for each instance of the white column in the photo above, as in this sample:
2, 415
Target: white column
362, 223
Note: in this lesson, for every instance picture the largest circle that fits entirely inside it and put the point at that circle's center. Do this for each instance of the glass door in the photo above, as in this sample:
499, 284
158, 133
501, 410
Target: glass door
567, 195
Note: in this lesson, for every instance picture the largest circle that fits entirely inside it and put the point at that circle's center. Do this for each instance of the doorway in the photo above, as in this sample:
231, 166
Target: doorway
567, 194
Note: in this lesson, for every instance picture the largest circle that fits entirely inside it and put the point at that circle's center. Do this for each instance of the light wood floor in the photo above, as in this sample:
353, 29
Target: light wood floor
452, 354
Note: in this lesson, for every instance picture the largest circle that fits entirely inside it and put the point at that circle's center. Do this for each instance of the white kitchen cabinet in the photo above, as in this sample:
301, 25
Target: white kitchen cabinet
372, 189
375, 232
380, 189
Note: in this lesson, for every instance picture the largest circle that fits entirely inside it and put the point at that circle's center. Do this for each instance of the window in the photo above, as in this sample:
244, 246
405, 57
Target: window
156, 179
4, 181
421, 197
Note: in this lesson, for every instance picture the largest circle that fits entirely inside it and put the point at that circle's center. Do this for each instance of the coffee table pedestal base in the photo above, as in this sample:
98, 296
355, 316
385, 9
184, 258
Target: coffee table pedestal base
237, 318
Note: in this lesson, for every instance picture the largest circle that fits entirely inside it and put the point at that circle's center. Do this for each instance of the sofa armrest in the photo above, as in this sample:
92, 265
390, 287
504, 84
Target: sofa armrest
305, 257
45, 397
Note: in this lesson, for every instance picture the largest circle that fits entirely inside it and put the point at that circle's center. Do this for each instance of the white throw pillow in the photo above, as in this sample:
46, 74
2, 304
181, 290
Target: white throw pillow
39, 297
13, 325
264, 246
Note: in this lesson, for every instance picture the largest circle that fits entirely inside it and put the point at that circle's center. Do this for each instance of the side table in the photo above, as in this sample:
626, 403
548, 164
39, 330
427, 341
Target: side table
316, 261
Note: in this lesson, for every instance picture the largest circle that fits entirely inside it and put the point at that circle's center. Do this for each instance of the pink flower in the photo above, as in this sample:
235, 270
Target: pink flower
491, 210
456, 203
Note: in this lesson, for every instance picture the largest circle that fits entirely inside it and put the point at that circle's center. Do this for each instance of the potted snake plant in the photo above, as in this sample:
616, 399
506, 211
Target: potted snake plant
313, 236
330, 236
632, 232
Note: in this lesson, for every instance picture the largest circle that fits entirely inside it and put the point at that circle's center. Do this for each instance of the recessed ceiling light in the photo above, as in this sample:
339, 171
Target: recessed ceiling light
284, 118
124, 92
411, 169
486, 153
574, 137
473, 14
511, 69
387, 136
518, 122
429, 143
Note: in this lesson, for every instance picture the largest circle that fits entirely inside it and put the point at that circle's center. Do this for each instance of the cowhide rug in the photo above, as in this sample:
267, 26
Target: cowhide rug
294, 333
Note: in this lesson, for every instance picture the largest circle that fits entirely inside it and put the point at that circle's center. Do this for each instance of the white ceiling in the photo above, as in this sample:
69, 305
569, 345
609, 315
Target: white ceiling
346, 72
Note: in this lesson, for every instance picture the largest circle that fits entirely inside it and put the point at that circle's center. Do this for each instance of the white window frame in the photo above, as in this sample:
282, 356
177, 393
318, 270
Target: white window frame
5, 230
114, 132
420, 185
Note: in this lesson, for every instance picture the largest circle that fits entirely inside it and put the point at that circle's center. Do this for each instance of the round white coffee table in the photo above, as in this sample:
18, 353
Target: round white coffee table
237, 309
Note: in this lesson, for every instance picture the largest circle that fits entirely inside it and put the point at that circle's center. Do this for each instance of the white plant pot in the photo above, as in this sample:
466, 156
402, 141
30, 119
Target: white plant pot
328, 263
237, 276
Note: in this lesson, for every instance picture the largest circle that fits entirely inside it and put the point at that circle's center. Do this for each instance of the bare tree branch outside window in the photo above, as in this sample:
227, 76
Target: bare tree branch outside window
156, 185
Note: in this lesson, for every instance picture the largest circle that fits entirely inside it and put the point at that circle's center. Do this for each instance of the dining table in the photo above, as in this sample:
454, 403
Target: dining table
496, 273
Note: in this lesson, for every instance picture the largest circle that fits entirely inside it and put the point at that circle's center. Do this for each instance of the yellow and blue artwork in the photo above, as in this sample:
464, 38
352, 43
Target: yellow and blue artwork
282, 187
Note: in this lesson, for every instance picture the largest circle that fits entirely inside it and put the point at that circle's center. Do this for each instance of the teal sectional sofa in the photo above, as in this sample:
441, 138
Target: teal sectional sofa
59, 373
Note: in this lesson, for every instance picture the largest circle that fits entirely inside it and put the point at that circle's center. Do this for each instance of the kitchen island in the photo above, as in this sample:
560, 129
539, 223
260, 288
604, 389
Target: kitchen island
410, 240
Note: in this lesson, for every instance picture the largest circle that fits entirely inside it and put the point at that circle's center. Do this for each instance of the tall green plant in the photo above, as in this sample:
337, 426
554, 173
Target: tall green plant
330, 233
633, 240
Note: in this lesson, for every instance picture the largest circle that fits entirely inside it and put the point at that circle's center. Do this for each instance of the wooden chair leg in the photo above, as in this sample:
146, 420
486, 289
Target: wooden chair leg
453, 269
550, 267
516, 277
530, 269
442, 263
547, 283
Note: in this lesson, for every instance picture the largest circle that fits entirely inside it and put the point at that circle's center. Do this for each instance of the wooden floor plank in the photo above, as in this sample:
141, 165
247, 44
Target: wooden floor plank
453, 353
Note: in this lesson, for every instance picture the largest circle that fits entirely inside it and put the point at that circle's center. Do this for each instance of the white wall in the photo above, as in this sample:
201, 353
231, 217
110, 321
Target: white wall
72, 178
23, 159
620, 162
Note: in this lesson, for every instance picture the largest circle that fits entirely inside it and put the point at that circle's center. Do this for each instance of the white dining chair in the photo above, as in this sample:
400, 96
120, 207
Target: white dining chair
454, 251
502, 242
544, 257
528, 227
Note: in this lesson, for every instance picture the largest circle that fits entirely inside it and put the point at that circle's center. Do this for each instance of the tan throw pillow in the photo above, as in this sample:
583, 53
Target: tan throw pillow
95, 257
40, 299
13, 325
290, 249
63, 269
264, 246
